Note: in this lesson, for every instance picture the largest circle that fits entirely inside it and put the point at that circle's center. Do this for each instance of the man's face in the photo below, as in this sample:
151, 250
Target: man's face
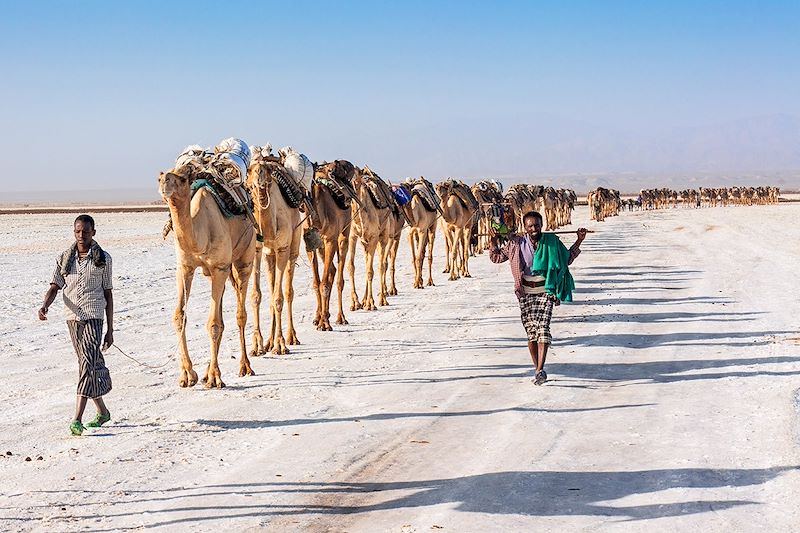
533, 227
83, 235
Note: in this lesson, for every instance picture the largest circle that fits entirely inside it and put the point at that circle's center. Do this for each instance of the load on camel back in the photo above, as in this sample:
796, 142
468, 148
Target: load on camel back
223, 172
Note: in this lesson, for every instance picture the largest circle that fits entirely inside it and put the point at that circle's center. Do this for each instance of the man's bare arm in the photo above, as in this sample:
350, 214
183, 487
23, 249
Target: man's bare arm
49, 296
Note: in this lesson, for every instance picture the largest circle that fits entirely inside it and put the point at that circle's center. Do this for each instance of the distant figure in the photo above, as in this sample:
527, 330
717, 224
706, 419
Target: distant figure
541, 280
84, 272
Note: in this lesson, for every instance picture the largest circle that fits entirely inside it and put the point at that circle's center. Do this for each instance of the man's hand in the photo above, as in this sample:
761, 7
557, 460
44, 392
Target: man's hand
581, 234
43, 313
108, 340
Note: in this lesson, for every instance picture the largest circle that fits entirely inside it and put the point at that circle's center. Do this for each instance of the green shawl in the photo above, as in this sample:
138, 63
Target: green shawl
551, 261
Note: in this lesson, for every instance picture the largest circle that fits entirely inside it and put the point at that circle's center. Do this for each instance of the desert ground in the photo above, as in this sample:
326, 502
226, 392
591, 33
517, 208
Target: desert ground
672, 403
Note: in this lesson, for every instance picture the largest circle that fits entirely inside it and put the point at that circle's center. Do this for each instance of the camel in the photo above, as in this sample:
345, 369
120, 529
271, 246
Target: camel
422, 227
457, 220
281, 232
370, 225
489, 195
333, 224
223, 248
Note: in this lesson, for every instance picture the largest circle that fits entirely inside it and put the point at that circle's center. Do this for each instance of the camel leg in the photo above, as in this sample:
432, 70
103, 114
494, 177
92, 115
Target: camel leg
448, 245
328, 276
184, 277
392, 258
431, 234
215, 326
342, 250
271, 273
291, 334
453, 253
369, 269
279, 344
315, 284
413, 242
239, 278
383, 256
255, 296
465, 238
351, 263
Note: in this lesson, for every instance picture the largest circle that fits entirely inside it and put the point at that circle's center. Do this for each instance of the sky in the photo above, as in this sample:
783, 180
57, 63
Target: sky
104, 95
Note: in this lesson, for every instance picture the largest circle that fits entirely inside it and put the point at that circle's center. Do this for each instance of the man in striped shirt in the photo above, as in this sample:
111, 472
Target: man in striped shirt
83, 271
535, 302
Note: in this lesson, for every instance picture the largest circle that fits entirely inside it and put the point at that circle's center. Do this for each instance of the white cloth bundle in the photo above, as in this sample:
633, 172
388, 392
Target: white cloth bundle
193, 152
299, 166
236, 152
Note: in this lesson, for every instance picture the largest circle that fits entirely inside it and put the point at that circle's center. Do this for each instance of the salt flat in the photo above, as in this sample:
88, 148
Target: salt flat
672, 405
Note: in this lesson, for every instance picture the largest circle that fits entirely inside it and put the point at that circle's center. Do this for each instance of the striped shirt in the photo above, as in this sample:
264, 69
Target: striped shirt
84, 287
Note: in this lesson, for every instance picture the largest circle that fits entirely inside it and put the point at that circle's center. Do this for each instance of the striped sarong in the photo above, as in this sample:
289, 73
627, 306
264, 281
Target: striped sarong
537, 310
94, 380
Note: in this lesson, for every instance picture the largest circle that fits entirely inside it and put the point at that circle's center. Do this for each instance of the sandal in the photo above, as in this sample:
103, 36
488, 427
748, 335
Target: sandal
77, 428
99, 420
540, 378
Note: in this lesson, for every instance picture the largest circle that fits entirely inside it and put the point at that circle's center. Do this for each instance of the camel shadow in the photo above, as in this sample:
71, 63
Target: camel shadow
671, 371
222, 425
643, 341
674, 317
521, 493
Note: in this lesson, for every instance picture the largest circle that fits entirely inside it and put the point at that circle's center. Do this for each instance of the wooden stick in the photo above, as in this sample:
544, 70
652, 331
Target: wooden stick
565, 232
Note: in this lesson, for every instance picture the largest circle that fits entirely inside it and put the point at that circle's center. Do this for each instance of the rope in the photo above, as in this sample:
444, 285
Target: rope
139, 362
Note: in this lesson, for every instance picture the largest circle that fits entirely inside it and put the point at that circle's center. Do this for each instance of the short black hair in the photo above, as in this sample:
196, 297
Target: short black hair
533, 214
86, 219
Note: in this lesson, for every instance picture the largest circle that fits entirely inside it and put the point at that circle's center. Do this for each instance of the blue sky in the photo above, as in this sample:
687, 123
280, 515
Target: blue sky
106, 94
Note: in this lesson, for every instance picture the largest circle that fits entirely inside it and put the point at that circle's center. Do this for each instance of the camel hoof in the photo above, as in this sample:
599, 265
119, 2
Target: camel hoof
292, 340
467, 275
342, 321
214, 383
431, 284
246, 371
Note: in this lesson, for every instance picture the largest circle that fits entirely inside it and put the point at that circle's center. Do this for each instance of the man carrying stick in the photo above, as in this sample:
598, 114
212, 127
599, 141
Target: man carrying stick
539, 263
84, 272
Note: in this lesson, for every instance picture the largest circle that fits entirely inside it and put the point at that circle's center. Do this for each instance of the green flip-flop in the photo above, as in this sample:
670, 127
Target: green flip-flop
99, 420
77, 428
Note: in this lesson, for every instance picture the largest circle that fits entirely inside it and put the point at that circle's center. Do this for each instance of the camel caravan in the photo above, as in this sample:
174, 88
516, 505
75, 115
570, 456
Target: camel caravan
236, 208
706, 197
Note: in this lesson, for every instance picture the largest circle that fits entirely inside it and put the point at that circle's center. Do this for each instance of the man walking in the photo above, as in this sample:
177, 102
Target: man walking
539, 264
84, 273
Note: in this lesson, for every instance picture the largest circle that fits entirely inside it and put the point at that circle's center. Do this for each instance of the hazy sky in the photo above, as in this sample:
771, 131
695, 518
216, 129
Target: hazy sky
106, 94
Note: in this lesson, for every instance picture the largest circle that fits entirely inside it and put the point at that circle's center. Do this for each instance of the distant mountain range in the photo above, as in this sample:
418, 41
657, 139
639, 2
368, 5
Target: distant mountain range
549, 149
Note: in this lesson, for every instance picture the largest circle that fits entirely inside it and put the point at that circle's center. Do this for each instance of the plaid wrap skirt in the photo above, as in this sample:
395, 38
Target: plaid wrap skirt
537, 310
94, 380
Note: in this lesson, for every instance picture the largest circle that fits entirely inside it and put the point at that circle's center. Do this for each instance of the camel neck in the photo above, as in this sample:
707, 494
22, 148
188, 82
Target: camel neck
182, 224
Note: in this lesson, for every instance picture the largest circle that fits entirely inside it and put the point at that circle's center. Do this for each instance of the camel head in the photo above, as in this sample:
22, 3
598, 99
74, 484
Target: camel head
174, 183
445, 188
259, 178
358, 176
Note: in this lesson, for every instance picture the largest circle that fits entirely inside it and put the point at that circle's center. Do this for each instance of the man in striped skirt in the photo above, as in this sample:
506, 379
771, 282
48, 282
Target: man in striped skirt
83, 271
541, 280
